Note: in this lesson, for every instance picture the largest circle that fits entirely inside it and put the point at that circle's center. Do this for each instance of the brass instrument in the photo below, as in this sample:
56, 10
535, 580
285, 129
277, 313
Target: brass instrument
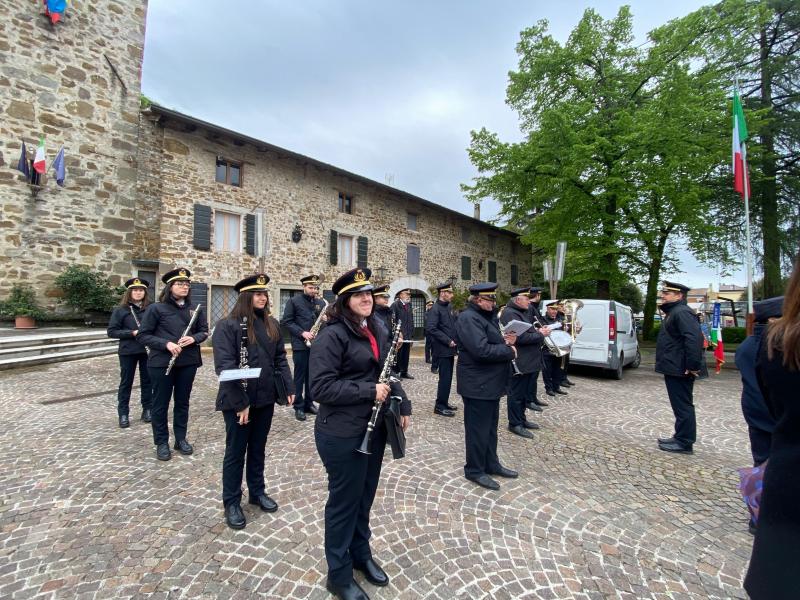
571, 308
138, 326
385, 377
502, 332
318, 323
553, 347
184, 334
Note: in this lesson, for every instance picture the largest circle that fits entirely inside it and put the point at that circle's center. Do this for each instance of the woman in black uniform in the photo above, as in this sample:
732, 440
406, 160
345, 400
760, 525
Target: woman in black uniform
124, 326
162, 331
248, 338
346, 361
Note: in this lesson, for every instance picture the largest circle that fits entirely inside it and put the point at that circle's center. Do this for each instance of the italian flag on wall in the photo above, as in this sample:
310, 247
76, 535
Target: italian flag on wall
739, 149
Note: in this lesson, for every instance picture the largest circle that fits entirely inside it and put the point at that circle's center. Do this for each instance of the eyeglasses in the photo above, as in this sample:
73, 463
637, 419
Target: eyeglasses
181, 284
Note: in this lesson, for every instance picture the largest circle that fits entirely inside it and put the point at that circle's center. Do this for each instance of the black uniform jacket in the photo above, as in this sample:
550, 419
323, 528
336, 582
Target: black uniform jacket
679, 346
406, 314
484, 359
529, 344
383, 314
260, 392
122, 326
299, 315
343, 377
165, 322
754, 407
441, 329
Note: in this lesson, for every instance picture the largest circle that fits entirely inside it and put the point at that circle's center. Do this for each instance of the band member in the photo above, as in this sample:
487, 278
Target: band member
552, 372
248, 338
346, 362
679, 357
529, 361
484, 357
440, 329
299, 315
383, 312
533, 402
428, 354
402, 310
162, 331
124, 326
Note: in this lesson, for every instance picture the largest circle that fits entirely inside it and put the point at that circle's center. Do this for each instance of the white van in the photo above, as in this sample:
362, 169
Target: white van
608, 337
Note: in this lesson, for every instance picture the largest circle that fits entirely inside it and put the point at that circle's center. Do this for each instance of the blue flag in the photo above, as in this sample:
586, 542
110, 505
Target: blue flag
58, 167
22, 165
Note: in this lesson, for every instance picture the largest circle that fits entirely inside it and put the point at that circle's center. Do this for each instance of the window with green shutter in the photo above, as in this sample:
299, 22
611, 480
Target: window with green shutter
466, 268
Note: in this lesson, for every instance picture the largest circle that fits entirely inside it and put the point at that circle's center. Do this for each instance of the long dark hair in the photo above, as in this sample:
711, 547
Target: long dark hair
166, 294
784, 333
342, 312
126, 298
244, 308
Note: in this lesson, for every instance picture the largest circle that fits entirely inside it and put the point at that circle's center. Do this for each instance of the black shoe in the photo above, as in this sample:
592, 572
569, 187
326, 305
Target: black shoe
669, 440
520, 431
568, 382
184, 447
485, 481
451, 407
299, 414
234, 516
162, 452
264, 502
311, 410
562, 392
348, 591
445, 412
373, 573
147, 417
551, 393
507, 473
538, 402
530, 425
124, 421
532, 406
406, 376
434, 371
676, 447
751, 527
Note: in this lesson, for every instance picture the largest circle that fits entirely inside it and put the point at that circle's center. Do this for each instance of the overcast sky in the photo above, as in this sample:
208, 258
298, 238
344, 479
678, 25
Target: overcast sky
387, 90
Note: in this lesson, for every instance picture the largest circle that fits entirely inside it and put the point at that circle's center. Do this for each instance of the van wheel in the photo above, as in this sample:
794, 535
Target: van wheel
636, 361
617, 373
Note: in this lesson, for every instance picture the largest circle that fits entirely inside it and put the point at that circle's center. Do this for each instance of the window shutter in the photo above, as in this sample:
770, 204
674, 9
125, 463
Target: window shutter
199, 293
202, 227
412, 258
334, 247
492, 271
250, 234
514, 275
362, 253
466, 268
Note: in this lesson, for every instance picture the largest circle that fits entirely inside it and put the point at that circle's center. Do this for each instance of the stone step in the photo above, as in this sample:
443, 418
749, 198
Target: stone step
29, 361
55, 337
38, 349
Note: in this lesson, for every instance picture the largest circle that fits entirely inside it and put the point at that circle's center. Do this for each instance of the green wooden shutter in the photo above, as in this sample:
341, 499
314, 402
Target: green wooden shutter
361, 256
492, 271
466, 268
334, 248
250, 234
202, 227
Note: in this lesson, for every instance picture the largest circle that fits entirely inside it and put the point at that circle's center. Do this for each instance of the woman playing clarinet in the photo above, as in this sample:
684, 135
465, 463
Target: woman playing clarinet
346, 361
249, 339
173, 328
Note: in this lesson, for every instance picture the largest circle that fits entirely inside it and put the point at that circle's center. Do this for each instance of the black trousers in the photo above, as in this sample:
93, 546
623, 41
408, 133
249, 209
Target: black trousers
302, 379
679, 389
352, 482
127, 371
480, 436
179, 381
532, 382
519, 386
428, 355
760, 443
403, 356
445, 380
241, 440
552, 373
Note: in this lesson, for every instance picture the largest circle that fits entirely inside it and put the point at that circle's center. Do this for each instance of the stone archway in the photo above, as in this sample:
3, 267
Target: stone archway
419, 295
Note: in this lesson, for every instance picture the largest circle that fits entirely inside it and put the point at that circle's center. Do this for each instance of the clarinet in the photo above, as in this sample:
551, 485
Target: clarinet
384, 377
138, 326
184, 334
243, 351
318, 323
502, 332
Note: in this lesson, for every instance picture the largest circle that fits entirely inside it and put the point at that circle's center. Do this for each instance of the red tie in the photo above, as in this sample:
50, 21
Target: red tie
372, 342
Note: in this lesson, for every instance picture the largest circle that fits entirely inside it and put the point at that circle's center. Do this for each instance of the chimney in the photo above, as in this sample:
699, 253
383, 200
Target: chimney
477, 211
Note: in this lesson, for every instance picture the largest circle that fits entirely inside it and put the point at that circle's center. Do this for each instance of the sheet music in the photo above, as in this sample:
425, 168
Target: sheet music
235, 374
516, 327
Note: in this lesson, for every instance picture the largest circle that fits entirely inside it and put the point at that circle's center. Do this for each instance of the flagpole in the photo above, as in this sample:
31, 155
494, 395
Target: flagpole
748, 248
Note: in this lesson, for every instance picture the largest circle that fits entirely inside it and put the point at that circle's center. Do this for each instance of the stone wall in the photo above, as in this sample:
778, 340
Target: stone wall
57, 82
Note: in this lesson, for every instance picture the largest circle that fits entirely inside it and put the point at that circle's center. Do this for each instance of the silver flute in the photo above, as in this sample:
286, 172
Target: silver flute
183, 335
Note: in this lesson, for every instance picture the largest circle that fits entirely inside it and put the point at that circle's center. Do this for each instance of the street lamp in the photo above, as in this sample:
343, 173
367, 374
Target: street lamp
380, 272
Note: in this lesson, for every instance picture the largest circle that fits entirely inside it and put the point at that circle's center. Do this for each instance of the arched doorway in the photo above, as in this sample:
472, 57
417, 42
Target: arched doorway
419, 296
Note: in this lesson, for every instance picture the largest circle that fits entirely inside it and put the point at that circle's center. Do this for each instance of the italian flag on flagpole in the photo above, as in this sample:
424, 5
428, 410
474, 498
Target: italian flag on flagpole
716, 337
38, 160
739, 149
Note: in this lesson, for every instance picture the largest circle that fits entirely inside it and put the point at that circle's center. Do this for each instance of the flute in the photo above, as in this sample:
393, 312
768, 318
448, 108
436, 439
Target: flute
185, 333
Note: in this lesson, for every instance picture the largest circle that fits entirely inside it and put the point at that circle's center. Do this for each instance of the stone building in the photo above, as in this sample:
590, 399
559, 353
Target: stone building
150, 189
78, 85
207, 196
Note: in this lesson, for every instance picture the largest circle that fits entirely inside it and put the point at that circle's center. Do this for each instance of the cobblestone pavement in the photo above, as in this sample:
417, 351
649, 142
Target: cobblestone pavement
598, 511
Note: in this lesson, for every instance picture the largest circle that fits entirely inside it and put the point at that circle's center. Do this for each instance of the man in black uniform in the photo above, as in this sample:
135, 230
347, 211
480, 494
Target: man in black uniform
401, 309
299, 315
533, 401
552, 373
440, 329
679, 357
528, 361
484, 364
428, 353
383, 311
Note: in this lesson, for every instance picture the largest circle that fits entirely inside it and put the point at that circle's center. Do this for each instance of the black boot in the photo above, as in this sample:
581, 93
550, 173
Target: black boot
146, 416
234, 516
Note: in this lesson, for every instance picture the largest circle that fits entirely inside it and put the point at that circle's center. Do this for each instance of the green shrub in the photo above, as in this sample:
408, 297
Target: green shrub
733, 335
21, 303
87, 290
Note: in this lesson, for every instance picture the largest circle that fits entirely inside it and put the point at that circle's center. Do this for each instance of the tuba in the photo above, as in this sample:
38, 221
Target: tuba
571, 308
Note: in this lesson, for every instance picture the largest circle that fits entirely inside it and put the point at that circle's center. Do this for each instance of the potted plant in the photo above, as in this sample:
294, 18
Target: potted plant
89, 292
21, 304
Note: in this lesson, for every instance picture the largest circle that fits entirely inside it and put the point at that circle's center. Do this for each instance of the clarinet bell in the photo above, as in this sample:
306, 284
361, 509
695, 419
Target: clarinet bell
364, 448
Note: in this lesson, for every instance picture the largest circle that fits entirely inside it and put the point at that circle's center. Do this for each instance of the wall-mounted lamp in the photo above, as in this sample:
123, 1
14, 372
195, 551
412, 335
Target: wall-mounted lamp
297, 233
